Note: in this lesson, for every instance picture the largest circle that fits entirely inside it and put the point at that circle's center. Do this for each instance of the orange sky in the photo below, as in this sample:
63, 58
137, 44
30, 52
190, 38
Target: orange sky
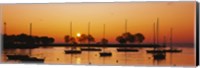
53, 19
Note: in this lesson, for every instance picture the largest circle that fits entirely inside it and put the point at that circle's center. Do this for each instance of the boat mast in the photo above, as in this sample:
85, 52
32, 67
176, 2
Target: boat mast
30, 35
104, 31
125, 47
70, 38
30, 29
89, 43
171, 37
88, 32
157, 30
5, 28
70, 29
154, 34
125, 25
164, 41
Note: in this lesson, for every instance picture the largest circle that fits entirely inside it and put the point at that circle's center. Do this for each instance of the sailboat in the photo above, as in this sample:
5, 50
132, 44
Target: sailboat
163, 50
72, 51
171, 50
26, 58
171, 47
126, 49
89, 48
104, 53
159, 56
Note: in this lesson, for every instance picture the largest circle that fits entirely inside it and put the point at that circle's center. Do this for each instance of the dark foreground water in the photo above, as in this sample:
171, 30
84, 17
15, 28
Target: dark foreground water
56, 55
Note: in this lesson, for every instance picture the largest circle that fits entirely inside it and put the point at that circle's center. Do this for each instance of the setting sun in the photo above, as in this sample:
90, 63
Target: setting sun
78, 34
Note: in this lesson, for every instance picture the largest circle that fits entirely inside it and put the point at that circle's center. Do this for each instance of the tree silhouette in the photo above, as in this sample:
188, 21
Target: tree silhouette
139, 37
129, 37
30, 40
72, 40
26, 39
121, 40
90, 38
51, 40
44, 40
9, 39
83, 38
104, 41
36, 40
5, 39
67, 38
22, 38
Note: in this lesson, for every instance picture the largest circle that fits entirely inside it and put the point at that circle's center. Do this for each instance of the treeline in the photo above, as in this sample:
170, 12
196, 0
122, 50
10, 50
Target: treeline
82, 39
122, 39
130, 38
26, 39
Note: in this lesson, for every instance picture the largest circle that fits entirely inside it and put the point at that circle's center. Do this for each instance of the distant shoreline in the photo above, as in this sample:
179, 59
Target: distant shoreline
80, 45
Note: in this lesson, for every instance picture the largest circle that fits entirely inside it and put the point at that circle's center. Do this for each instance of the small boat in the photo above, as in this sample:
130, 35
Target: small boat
155, 51
164, 51
173, 50
17, 57
90, 49
104, 54
72, 52
25, 58
33, 60
127, 50
159, 56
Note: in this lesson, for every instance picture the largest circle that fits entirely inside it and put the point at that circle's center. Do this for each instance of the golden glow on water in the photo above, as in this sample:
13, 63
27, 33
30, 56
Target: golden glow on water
56, 55
78, 60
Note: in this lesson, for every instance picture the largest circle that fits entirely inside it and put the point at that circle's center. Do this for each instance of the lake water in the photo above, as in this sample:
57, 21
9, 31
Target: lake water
56, 55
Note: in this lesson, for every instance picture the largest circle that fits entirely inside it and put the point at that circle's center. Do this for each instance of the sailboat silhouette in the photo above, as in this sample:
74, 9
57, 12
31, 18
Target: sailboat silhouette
72, 51
103, 54
156, 50
126, 49
89, 48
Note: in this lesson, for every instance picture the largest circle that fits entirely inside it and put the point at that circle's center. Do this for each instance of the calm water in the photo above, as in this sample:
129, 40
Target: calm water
56, 55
